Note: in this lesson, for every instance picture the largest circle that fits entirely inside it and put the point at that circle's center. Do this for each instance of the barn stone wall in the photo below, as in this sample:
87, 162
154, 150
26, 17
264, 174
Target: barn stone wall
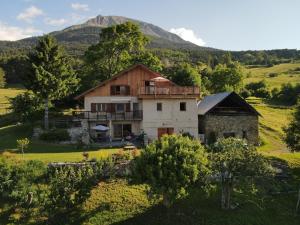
237, 124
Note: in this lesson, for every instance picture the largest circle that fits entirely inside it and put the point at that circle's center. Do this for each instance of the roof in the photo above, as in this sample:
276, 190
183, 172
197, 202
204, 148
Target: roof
116, 76
211, 101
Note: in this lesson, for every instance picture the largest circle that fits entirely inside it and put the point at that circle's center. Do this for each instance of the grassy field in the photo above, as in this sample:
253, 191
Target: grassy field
284, 73
5, 94
273, 119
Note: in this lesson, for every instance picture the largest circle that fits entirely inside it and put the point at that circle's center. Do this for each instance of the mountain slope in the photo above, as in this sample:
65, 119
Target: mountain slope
77, 38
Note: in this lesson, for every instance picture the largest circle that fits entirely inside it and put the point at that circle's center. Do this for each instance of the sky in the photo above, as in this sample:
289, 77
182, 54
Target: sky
222, 24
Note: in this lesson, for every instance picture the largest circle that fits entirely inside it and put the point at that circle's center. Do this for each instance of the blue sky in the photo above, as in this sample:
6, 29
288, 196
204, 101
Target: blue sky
223, 24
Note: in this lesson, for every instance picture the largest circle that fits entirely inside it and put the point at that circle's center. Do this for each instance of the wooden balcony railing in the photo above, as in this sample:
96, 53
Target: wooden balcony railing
169, 90
105, 116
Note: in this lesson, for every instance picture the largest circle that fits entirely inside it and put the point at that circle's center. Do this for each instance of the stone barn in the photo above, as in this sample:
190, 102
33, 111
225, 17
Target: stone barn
225, 115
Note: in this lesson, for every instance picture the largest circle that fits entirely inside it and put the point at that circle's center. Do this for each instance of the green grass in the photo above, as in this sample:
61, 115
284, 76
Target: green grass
273, 119
6, 93
285, 74
45, 152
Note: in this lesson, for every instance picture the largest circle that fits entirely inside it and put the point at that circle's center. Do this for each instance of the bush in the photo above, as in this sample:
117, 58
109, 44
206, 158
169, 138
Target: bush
259, 89
27, 106
171, 166
55, 135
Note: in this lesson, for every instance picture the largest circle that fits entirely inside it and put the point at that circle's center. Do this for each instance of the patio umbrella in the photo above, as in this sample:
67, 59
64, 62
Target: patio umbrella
100, 128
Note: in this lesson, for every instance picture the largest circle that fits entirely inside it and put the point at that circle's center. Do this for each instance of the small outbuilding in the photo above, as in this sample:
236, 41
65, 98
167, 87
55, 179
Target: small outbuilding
225, 115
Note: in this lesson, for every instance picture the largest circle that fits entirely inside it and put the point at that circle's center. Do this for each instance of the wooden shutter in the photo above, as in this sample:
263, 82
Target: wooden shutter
127, 107
112, 90
93, 107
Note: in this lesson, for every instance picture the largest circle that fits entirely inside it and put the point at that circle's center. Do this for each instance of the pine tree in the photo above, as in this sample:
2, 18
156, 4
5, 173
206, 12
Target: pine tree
50, 75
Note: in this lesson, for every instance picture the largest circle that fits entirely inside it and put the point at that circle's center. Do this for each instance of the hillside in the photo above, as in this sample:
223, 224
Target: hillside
276, 75
79, 37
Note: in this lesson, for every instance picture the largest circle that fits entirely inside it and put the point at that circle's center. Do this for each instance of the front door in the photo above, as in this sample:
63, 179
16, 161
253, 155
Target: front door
164, 130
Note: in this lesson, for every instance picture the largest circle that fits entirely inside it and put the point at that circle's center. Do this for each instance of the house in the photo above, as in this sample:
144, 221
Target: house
139, 100
227, 115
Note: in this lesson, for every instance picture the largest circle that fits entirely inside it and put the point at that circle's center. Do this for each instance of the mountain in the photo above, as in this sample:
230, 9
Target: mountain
77, 38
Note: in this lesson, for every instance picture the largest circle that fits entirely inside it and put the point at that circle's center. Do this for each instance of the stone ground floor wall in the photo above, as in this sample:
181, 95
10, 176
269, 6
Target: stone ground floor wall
241, 125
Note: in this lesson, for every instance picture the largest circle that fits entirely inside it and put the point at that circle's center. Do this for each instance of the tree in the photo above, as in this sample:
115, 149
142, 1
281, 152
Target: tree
186, 75
2, 78
119, 47
235, 161
26, 106
171, 166
51, 75
292, 132
227, 78
22, 145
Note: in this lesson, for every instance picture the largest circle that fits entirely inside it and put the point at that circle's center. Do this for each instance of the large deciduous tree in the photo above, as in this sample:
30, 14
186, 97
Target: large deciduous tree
186, 75
292, 132
227, 77
171, 166
235, 161
50, 76
119, 47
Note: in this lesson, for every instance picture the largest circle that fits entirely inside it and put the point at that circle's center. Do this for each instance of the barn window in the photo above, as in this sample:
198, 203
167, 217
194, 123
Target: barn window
182, 106
159, 106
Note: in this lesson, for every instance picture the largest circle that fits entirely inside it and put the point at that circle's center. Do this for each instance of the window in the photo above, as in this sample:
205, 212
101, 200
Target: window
159, 106
119, 90
182, 106
101, 107
120, 107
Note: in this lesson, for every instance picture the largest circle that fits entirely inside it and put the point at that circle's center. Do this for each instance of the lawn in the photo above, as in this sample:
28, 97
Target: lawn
285, 73
45, 152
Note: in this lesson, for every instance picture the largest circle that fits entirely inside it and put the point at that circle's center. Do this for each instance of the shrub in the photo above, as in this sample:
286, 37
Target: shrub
258, 89
55, 135
26, 106
171, 166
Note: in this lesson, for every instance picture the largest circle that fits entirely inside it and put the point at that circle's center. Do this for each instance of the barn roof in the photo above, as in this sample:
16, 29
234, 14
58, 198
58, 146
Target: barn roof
211, 101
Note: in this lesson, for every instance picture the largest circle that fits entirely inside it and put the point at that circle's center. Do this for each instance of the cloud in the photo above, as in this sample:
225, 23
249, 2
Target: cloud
55, 22
187, 35
80, 7
30, 13
11, 33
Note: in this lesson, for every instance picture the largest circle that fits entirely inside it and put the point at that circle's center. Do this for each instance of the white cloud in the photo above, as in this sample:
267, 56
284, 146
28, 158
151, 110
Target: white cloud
188, 35
11, 33
79, 6
55, 22
30, 13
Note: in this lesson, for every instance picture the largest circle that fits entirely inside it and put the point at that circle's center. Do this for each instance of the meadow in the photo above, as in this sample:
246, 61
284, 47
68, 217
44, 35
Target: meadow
276, 75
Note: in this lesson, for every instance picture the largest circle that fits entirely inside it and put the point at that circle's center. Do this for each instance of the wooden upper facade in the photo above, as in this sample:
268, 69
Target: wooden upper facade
141, 82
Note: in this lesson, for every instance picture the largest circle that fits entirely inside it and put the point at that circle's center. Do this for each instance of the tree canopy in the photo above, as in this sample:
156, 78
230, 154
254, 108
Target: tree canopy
227, 77
234, 160
50, 75
171, 166
186, 75
119, 47
2, 78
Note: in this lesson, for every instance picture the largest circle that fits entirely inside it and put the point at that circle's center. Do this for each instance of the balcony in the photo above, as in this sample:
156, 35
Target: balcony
106, 116
168, 92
